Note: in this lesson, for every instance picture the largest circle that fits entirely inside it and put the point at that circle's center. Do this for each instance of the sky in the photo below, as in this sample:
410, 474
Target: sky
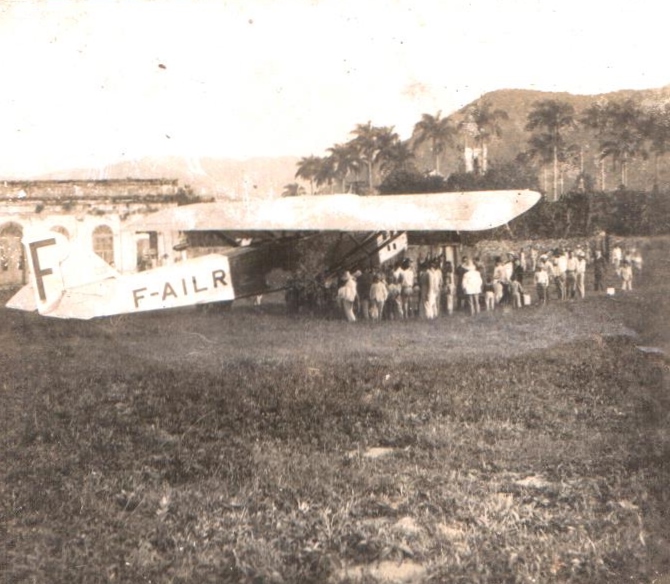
90, 83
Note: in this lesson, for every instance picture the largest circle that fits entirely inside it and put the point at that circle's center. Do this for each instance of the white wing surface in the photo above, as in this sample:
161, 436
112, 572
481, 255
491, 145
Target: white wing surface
459, 211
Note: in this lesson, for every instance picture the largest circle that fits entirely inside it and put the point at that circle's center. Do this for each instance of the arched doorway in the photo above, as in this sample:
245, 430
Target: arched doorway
12, 260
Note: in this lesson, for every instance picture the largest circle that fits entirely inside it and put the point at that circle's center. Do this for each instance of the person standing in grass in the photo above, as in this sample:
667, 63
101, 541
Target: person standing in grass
499, 279
580, 274
407, 283
424, 287
437, 285
394, 299
363, 283
571, 275
559, 268
489, 295
347, 295
449, 289
459, 273
472, 287
541, 284
429, 281
626, 275
516, 290
378, 296
508, 266
599, 266
517, 270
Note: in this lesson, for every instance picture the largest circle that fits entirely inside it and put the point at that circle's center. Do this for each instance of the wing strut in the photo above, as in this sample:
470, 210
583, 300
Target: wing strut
343, 261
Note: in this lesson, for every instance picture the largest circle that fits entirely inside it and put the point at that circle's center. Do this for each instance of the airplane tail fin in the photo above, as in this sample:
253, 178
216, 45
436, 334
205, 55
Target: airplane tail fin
56, 265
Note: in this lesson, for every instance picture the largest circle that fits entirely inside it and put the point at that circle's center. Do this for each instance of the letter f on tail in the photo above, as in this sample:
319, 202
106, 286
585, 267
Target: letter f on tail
45, 255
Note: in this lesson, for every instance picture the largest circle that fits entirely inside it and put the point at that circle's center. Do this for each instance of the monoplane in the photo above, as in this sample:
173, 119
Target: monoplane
66, 281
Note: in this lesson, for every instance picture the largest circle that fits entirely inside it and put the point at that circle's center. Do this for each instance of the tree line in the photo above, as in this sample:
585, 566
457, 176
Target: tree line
376, 159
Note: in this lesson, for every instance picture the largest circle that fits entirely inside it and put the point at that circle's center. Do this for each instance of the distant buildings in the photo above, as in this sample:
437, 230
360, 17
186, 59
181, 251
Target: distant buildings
88, 213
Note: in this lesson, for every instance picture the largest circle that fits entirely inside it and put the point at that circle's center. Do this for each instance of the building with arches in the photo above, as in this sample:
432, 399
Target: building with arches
91, 213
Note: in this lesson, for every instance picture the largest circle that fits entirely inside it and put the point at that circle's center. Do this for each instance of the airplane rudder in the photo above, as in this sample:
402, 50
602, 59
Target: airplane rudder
45, 252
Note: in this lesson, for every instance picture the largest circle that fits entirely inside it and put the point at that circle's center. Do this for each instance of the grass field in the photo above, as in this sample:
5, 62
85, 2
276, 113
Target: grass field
253, 447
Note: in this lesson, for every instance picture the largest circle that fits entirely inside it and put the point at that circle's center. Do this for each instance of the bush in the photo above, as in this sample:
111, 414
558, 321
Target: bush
509, 175
412, 181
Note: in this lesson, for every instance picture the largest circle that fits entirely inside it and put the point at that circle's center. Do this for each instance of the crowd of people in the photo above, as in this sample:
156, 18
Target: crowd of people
436, 287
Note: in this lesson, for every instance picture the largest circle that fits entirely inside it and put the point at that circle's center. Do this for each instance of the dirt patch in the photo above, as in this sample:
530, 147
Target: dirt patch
386, 571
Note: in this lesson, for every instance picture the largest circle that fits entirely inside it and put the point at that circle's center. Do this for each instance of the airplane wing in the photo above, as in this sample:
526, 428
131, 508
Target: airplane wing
457, 211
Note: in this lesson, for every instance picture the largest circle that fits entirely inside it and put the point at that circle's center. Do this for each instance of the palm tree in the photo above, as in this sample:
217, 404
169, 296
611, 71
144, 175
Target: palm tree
627, 144
397, 156
344, 160
620, 127
308, 169
326, 173
555, 117
482, 123
365, 143
655, 126
293, 190
371, 143
542, 148
438, 131
626, 137
595, 118
387, 141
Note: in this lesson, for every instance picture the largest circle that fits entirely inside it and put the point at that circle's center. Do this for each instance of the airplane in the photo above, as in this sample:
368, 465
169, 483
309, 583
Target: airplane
66, 281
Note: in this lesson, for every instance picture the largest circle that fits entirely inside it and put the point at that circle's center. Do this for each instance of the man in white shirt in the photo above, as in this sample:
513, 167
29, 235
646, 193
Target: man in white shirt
346, 295
407, 282
571, 275
560, 267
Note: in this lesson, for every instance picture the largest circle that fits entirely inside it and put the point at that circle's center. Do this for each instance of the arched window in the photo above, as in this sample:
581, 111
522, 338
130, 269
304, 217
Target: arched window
64, 232
11, 254
103, 243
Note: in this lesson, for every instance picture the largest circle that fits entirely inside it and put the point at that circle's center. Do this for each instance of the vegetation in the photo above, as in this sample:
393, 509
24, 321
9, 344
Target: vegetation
293, 190
253, 447
439, 132
553, 117
482, 123
622, 129
561, 137
412, 181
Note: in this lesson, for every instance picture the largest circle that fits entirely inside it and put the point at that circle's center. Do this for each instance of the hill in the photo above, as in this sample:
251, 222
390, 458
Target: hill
514, 139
